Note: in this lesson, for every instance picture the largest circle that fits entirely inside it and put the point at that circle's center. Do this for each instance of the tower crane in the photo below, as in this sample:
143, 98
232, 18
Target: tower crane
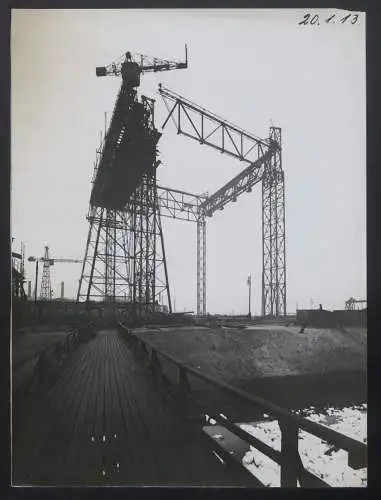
124, 182
46, 292
350, 304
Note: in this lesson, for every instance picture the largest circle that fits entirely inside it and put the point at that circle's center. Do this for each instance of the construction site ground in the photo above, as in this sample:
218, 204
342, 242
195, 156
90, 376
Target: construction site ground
276, 362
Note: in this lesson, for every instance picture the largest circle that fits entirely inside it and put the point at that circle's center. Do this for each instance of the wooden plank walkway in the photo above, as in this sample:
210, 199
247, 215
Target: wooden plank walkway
105, 421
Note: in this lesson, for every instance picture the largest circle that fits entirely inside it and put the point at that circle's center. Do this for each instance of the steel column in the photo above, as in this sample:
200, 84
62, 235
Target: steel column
201, 265
273, 233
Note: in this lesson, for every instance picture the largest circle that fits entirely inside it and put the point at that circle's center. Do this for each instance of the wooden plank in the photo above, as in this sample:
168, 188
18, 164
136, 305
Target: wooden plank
65, 412
93, 458
113, 458
119, 410
124, 453
136, 436
199, 465
158, 423
74, 460
51, 439
135, 384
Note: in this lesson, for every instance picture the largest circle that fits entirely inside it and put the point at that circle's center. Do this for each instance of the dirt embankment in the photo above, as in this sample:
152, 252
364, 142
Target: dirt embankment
275, 362
263, 351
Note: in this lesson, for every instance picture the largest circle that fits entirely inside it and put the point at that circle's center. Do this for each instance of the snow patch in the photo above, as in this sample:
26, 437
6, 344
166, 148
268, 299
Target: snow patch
318, 457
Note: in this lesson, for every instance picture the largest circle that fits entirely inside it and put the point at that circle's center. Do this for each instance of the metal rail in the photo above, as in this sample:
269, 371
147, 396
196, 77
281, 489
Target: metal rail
292, 469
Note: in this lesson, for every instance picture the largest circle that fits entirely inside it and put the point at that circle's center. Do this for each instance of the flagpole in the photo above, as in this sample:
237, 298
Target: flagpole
249, 283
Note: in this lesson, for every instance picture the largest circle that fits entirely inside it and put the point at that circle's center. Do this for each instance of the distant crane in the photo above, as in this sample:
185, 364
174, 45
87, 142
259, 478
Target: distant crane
350, 304
46, 292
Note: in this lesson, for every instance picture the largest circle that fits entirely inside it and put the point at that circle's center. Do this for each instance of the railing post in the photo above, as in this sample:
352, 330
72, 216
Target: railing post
155, 364
183, 381
290, 454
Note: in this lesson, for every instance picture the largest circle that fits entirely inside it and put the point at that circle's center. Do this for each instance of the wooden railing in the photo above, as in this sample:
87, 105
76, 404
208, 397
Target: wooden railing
292, 468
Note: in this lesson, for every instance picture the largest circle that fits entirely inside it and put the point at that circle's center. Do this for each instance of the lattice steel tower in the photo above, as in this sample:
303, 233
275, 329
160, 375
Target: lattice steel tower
46, 292
125, 256
273, 232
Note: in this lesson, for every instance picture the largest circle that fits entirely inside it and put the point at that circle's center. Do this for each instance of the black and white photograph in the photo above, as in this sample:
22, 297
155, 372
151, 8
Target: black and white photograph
188, 248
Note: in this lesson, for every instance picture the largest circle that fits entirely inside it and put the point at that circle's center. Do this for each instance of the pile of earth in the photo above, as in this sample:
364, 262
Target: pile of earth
262, 350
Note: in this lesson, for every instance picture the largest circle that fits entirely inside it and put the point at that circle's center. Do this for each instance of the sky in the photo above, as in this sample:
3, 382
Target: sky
255, 68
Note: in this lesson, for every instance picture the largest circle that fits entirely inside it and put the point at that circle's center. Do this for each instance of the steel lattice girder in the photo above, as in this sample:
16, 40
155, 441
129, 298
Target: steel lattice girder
197, 123
177, 204
241, 183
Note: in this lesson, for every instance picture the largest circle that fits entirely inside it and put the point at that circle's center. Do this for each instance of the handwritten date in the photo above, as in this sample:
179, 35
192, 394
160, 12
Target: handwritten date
312, 20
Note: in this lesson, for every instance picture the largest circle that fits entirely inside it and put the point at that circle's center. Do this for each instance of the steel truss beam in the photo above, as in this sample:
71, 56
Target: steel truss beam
177, 204
265, 164
241, 183
197, 123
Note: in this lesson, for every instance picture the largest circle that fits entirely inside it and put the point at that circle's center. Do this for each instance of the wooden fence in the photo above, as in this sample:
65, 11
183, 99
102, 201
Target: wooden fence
292, 468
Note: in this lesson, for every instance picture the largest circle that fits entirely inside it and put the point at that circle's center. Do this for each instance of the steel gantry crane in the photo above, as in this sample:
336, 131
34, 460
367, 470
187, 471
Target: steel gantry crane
46, 292
122, 255
350, 304
263, 158
125, 248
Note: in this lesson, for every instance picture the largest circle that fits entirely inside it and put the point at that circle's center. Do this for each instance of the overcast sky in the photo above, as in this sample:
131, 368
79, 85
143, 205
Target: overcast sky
254, 68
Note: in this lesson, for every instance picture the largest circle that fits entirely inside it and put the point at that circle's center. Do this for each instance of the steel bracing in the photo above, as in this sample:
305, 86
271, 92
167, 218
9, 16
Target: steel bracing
125, 255
264, 159
105, 266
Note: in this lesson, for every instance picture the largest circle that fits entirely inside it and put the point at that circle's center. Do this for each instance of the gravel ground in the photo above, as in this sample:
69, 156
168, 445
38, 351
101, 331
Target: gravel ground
262, 351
